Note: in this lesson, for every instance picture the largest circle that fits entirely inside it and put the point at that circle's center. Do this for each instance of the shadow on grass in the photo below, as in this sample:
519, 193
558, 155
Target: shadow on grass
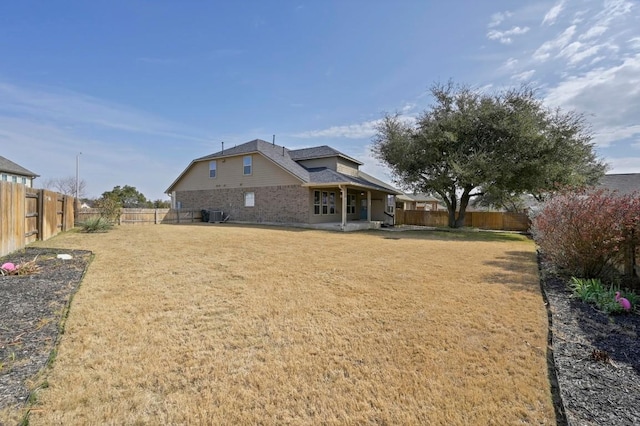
446, 234
523, 263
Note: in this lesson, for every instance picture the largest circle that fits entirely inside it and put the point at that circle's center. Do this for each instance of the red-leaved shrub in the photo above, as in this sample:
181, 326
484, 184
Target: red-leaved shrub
587, 233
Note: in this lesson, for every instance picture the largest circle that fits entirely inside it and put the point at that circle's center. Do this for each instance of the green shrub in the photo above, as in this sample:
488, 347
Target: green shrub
99, 224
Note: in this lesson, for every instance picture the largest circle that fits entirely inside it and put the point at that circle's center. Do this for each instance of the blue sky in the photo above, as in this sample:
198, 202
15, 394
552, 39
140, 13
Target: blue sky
143, 87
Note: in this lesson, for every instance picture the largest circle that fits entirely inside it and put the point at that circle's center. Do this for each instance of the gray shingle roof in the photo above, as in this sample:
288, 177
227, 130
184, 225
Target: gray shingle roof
9, 166
625, 183
318, 152
322, 175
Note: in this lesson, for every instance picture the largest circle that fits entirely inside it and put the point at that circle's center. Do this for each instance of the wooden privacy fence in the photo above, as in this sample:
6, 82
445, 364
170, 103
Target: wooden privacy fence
146, 216
27, 215
502, 221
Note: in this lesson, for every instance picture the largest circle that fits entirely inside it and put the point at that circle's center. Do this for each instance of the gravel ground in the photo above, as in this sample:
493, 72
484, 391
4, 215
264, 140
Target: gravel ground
594, 365
32, 309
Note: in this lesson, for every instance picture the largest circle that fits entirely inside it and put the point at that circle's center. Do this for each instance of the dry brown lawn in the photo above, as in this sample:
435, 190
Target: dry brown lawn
200, 324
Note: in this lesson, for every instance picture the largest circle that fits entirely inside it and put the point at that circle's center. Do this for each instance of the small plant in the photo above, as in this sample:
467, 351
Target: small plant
25, 268
585, 289
593, 291
99, 224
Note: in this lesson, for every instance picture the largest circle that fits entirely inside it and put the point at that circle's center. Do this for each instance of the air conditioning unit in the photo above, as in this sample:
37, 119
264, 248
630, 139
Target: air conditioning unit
216, 216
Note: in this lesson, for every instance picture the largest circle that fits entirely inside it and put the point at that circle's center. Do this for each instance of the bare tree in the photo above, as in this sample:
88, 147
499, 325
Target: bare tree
66, 186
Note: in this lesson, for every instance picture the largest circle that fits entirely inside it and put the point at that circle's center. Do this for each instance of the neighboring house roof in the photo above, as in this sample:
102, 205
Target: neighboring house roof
624, 183
323, 151
9, 166
419, 198
287, 159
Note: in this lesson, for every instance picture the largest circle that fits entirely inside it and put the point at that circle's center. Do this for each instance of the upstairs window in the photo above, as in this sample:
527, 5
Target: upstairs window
212, 168
246, 165
5, 177
14, 179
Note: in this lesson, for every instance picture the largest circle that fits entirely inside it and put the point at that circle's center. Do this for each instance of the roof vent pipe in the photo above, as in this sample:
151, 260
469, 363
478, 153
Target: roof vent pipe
274, 140
283, 151
223, 148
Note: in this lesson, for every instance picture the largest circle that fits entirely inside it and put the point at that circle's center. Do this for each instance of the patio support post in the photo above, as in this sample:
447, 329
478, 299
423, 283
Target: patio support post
368, 206
343, 192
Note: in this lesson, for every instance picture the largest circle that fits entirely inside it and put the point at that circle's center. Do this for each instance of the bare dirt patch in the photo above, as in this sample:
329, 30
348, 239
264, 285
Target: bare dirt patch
231, 324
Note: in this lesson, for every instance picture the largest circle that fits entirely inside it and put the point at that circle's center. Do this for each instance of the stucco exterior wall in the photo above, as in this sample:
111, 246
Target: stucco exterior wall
280, 204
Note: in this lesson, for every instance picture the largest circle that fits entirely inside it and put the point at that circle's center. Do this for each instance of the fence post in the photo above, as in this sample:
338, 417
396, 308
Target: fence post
40, 214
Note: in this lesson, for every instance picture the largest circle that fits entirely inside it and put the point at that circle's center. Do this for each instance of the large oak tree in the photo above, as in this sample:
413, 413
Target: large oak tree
472, 144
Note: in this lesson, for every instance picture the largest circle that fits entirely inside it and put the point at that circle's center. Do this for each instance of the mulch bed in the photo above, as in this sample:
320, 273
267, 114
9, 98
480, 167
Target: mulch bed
594, 365
596, 360
32, 309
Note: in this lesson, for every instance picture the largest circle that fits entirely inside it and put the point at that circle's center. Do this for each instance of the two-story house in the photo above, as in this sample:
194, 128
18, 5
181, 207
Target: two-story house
12, 172
262, 182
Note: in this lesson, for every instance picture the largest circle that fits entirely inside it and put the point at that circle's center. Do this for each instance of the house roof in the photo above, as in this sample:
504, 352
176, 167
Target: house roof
624, 183
323, 151
287, 159
9, 166
325, 176
419, 198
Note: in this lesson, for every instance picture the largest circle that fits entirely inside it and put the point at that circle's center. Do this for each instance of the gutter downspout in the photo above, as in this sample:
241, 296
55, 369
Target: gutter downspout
343, 192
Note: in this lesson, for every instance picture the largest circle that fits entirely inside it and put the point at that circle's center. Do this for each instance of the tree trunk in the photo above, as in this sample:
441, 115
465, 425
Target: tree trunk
451, 207
452, 219
464, 202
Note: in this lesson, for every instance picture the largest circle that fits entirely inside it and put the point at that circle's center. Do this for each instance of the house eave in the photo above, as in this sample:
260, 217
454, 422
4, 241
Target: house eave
350, 184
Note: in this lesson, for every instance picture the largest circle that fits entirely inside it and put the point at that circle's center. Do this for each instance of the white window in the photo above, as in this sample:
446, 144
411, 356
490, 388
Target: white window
351, 203
324, 202
316, 202
5, 177
14, 178
246, 163
249, 199
212, 168
24, 180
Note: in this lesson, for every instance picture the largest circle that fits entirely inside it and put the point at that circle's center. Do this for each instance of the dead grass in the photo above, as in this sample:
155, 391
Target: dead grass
244, 325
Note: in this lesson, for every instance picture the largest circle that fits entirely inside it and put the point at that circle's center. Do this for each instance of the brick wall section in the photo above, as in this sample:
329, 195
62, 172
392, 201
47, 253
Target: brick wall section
282, 204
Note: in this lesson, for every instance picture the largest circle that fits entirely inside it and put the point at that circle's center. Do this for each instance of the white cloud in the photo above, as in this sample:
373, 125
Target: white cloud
504, 37
609, 95
624, 164
634, 43
553, 13
557, 44
593, 32
363, 130
498, 18
350, 131
614, 9
606, 136
523, 76
511, 63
